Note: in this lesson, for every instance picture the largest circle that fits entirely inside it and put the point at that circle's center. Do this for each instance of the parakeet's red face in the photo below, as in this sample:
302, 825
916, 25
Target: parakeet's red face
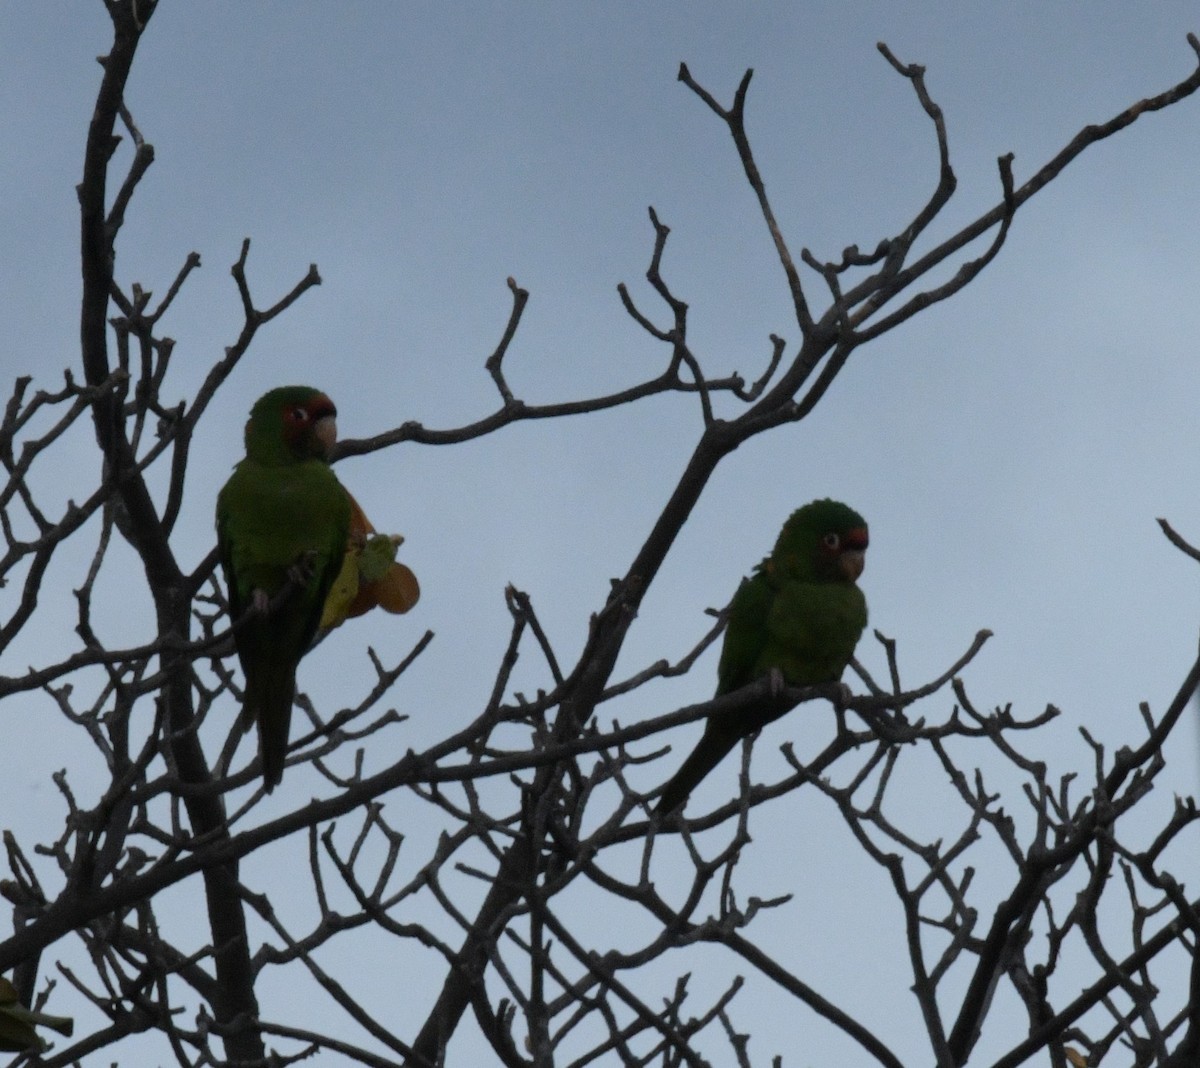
310, 429
825, 541
846, 551
290, 424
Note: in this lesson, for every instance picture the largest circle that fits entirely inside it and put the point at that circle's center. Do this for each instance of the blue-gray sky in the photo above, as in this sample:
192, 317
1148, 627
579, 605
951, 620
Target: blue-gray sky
1011, 448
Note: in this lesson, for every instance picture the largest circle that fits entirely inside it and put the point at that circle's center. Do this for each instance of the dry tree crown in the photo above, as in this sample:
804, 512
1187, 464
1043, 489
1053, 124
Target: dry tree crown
539, 816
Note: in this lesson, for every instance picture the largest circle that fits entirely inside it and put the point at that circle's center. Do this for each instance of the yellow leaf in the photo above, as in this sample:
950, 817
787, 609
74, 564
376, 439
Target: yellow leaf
342, 593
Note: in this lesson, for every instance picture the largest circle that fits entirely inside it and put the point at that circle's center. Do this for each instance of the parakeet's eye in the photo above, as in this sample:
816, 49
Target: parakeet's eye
832, 541
299, 415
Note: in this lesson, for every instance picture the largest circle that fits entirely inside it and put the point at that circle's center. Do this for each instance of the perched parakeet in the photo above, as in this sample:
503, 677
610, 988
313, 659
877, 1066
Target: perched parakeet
282, 517
17, 1023
800, 612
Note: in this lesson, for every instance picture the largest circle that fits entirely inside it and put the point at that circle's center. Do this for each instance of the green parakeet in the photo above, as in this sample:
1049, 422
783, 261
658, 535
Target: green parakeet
800, 613
17, 1022
282, 517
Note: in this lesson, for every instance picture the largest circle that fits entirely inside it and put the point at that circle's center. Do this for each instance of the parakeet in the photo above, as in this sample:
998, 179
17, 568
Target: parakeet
282, 517
801, 612
17, 1023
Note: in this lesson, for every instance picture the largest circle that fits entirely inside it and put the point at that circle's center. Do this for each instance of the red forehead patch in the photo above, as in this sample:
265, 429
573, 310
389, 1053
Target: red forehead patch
856, 538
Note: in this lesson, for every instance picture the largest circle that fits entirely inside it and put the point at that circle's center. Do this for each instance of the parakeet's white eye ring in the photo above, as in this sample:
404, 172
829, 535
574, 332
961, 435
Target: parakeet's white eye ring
300, 415
832, 541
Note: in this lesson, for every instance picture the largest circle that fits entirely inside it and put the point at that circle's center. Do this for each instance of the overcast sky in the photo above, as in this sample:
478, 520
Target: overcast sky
1010, 448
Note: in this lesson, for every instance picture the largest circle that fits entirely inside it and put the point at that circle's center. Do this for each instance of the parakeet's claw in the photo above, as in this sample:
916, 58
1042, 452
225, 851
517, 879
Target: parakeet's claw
842, 697
301, 573
260, 602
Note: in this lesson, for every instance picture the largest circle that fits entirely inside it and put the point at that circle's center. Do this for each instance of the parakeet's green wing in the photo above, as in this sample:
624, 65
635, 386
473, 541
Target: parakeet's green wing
237, 603
746, 637
746, 632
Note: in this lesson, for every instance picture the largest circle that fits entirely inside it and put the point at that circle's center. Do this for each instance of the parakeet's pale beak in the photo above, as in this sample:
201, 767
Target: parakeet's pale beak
852, 562
325, 430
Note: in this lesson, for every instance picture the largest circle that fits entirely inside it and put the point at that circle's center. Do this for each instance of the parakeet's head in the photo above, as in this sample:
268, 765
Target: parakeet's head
291, 423
825, 541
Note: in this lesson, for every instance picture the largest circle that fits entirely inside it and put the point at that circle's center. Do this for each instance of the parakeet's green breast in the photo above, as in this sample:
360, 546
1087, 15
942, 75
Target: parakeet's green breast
812, 630
274, 515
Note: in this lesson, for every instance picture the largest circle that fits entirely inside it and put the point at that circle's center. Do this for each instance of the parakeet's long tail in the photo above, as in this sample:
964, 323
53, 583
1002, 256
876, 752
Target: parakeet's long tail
709, 752
269, 697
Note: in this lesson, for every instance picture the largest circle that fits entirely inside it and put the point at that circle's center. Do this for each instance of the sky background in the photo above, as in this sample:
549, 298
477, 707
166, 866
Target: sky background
1010, 448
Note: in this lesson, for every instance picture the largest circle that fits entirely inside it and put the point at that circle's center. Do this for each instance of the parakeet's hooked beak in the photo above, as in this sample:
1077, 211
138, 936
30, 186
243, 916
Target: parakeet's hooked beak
851, 562
325, 431
324, 425
853, 558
